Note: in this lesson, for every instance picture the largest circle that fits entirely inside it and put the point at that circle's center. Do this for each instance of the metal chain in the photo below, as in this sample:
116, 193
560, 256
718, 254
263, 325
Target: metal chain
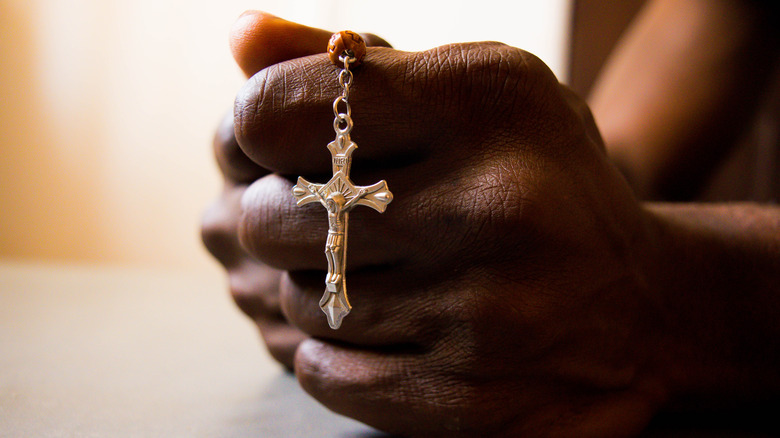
345, 81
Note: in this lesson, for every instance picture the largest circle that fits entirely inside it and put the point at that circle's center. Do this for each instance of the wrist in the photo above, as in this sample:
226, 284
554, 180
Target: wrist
712, 268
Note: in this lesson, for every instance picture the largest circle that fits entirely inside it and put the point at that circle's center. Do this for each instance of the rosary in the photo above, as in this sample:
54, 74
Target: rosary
340, 195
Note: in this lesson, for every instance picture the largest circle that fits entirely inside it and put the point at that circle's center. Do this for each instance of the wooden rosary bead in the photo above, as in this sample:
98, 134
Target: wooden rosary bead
346, 40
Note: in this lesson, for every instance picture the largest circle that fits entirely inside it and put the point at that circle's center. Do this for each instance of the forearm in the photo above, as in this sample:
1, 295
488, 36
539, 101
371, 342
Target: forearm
681, 87
717, 271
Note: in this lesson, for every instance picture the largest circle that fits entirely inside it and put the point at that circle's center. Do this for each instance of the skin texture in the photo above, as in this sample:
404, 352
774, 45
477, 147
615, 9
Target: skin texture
516, 286
257, 40
253, 285
491, 245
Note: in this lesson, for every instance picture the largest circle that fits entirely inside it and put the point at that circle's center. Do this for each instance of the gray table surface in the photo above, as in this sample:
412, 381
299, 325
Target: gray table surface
118, 352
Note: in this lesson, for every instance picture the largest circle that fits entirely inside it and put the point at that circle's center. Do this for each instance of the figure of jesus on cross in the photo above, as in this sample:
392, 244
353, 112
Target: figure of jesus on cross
339, 196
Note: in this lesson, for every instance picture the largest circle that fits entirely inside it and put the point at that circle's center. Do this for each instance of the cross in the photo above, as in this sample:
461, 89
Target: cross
339, 196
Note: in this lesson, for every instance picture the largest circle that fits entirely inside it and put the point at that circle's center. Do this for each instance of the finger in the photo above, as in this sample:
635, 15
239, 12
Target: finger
372, 40
219, 227
286, 236
281, 340
404, 105
278, 232
446, 393
259, 39
307, 101
433, 217
382, 315
235, 166
398, 392
253, 285
255, 289
335, 375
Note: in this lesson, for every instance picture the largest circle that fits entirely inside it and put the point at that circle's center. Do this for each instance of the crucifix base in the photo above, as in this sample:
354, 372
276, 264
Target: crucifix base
335, 304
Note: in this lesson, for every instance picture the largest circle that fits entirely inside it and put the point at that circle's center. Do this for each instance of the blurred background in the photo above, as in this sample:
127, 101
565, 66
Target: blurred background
107, 109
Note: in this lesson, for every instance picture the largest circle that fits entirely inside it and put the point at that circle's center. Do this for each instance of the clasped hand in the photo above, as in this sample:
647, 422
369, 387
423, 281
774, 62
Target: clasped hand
503, 292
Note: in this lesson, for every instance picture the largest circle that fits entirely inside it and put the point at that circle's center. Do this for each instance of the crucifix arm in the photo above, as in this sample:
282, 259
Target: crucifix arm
356, 198
314, 191
375, 196
306, 192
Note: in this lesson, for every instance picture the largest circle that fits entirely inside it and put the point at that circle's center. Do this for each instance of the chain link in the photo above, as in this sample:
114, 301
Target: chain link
342, 123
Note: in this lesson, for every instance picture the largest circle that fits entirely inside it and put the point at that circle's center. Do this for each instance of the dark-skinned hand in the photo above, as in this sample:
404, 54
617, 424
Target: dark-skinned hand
503, 292
258, 40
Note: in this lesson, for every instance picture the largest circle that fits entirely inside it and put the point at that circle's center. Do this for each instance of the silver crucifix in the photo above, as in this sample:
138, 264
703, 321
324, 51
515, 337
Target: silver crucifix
339, 196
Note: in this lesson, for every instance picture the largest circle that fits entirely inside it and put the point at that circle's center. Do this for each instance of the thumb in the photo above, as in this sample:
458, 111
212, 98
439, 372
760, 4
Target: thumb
259, 39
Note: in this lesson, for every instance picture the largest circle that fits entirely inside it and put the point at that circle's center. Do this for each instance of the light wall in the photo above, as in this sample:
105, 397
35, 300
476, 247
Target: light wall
107, 109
